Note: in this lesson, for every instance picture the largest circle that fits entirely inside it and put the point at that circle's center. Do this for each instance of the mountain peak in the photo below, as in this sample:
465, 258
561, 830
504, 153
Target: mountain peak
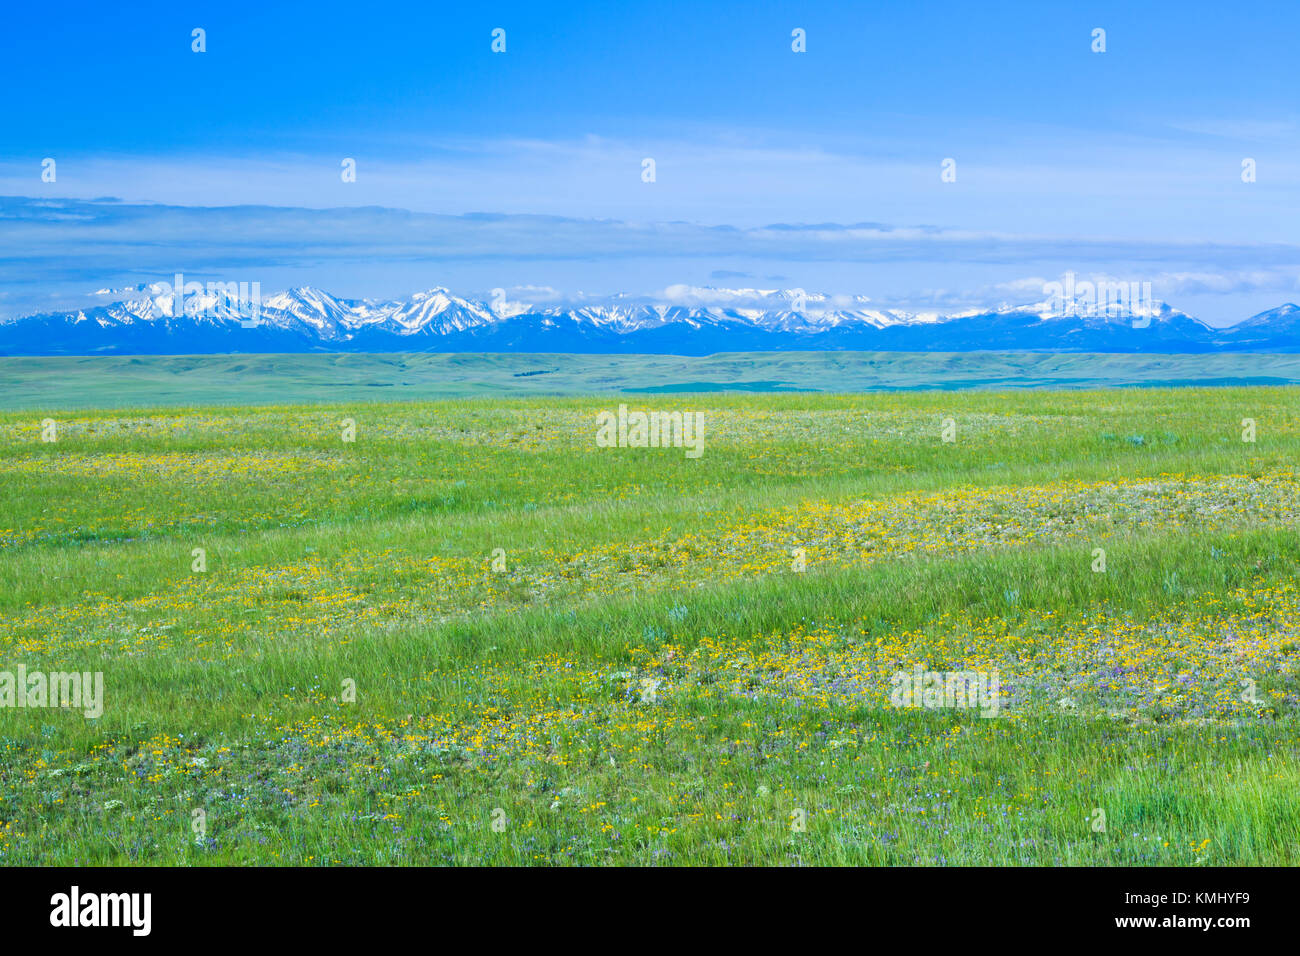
694, 320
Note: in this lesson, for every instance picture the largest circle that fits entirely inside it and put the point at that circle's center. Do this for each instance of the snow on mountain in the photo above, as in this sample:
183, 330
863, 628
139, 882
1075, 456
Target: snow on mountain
437, 312
313, 308
1267, 331
692, 321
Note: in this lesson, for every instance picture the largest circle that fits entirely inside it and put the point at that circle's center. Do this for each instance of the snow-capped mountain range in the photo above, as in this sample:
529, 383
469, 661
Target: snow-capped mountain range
148, 322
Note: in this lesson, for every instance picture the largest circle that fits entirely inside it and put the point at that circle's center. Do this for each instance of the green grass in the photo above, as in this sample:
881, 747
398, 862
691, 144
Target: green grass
650, 679
110, 382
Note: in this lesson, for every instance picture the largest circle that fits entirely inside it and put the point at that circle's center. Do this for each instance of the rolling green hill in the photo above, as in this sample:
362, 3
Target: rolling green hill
124, 381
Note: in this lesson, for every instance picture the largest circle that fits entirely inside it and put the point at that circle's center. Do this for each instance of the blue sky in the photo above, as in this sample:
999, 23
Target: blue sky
1125, 163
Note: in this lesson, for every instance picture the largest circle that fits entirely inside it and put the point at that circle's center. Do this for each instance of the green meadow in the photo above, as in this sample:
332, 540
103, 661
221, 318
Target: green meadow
128, 381
339, 630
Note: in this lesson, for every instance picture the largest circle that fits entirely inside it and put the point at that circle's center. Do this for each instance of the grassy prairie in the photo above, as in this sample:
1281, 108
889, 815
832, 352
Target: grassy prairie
643, 674
117, 382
